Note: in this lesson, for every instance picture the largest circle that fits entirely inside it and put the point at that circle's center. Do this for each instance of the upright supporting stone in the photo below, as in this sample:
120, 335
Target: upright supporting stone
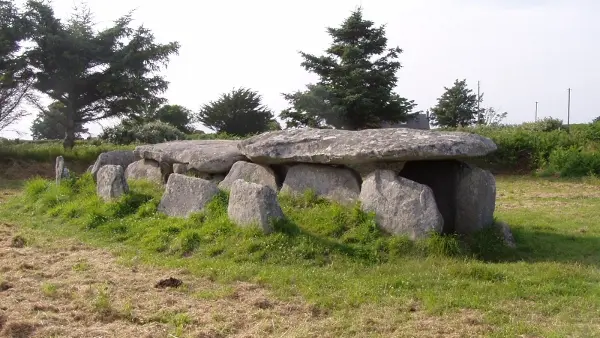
148, 170
117, 157
252, 204
111, 182
401, 206
475, 200
338, 184
249, 172
185, 195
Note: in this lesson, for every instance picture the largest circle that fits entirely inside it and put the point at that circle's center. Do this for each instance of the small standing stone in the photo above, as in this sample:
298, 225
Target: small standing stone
185, 195
111, 182
507, 235
60, 170
252, 204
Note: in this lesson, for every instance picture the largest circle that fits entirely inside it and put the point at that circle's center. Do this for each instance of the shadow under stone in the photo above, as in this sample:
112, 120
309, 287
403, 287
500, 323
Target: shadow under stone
442, 177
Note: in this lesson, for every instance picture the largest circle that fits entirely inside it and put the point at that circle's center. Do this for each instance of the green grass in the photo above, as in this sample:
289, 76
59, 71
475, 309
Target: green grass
335, 257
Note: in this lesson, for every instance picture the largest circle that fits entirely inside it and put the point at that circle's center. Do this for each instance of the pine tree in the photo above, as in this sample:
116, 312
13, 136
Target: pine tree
239, 112
456, 107
357, 76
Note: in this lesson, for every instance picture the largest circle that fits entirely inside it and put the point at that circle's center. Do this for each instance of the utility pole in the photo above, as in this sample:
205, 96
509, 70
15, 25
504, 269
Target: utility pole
478, 96
536, 106
569, 110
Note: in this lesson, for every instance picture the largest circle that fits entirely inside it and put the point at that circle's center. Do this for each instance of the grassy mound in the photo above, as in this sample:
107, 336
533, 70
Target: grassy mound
316, 231
316, 234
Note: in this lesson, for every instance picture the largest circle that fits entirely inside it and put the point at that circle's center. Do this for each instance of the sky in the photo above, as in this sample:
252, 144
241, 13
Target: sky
521, 51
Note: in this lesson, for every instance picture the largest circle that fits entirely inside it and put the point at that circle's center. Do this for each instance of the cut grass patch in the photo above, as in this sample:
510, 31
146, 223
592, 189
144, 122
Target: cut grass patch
336, 258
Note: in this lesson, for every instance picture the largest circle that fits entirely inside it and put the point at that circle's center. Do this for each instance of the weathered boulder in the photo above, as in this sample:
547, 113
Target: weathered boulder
475, 200
148, 170
208, 156
119, 157
252, 204
249, 172
338, 184
401, 206
334, 146
111, 182
185, 195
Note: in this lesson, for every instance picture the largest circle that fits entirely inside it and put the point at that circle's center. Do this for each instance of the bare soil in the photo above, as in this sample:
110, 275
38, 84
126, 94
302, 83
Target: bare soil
67, 289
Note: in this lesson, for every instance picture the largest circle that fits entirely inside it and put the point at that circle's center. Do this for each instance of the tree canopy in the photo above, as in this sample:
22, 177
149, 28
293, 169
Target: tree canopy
15, 79
456, 107
94, 74
239, 112
357, 76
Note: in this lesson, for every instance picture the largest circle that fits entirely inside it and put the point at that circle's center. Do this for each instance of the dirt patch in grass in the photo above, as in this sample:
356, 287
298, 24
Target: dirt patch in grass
12, 169
66, 289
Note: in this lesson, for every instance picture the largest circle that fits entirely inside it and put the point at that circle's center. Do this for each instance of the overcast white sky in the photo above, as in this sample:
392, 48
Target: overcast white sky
522, 51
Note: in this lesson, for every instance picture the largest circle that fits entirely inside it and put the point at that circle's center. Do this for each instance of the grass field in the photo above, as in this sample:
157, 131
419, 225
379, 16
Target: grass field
329, 264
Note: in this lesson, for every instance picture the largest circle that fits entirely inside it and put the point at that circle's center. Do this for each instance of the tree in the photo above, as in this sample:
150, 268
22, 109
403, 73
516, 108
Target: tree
239, 112
50, 124
15, 80
357, 76
456, 107
94, 74
175, 115
310, 108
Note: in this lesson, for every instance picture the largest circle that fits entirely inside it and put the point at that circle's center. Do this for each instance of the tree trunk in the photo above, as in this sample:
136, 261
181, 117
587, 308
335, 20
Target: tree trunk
69, 140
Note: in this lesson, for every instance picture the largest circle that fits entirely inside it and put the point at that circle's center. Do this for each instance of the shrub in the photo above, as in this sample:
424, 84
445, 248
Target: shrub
573, 162
152, 132
545, 124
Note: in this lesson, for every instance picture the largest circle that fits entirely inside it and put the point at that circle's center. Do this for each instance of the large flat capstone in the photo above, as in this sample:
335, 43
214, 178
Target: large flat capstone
208, 156
332, 146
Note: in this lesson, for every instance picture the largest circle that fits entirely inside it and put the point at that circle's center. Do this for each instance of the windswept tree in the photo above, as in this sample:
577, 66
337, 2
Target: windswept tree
357, 77
239, 112
15, 79
50, 123
94, 74
491, 117
456, 107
